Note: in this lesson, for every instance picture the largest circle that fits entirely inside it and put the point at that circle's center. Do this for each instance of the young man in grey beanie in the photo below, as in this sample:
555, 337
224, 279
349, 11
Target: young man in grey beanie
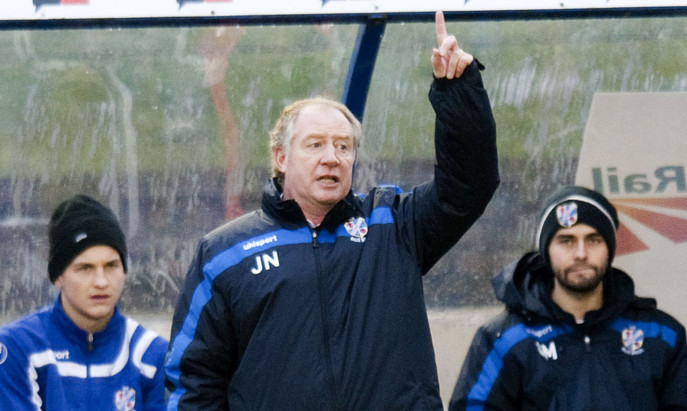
573, 335
81, 352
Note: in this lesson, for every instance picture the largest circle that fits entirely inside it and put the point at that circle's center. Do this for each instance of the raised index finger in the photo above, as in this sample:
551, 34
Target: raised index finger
440, 27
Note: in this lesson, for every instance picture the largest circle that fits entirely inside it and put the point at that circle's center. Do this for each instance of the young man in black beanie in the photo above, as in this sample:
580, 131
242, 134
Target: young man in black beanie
81, 352
573, 335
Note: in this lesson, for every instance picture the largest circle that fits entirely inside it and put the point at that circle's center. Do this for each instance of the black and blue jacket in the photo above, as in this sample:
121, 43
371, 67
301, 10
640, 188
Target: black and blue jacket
626, 356
278, 315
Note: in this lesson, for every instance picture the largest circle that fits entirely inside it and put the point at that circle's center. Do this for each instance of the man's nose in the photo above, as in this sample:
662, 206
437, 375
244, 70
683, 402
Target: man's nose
329, 156
581, 250
100, 279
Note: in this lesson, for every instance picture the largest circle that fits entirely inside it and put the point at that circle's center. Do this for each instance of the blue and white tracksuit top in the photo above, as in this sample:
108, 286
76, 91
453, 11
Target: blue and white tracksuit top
627, 356
48, 363
278, 315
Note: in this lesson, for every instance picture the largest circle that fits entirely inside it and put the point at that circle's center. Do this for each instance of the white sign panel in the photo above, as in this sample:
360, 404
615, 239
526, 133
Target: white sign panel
635, 153
124, 9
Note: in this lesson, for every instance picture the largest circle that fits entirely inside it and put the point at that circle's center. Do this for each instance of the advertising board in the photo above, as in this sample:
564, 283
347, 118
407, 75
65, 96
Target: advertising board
635, 152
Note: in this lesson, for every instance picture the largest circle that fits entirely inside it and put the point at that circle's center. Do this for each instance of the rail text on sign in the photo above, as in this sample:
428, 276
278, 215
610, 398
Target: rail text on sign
666, 178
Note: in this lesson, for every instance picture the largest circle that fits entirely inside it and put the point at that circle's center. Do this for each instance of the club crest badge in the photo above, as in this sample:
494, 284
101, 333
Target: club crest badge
357, 228
633, 338
567, 214
125, 399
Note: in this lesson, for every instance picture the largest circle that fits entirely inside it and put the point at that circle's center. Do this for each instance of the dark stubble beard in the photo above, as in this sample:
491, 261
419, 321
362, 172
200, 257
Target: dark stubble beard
579, 287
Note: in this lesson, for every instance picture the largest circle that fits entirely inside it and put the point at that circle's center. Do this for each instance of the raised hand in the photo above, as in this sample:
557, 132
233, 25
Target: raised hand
448, 60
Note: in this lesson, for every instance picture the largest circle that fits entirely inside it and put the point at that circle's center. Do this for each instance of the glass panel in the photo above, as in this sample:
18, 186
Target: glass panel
541, 76
130, 116
153, 122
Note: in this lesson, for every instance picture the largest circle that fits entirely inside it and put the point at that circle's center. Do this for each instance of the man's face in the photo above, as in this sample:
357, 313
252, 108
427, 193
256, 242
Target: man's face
579, 257
91, 286
318, 170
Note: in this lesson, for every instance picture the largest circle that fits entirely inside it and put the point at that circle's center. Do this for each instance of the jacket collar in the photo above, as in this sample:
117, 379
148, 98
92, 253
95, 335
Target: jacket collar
524, 286
289, 213
78, 336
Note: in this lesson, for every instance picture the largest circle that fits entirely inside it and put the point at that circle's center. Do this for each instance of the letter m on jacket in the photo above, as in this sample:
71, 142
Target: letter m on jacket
548, 352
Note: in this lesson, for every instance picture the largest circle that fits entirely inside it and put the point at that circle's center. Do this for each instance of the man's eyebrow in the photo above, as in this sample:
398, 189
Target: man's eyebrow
559, 234
313, 135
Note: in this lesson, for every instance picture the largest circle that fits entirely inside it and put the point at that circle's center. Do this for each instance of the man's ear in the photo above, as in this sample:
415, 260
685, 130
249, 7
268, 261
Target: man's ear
279, 159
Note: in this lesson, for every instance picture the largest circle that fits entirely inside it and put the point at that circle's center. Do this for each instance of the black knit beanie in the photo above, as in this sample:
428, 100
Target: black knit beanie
77, 224
572, 205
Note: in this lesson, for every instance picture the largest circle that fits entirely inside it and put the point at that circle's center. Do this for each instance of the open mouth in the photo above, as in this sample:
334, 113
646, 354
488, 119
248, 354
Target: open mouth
328, 179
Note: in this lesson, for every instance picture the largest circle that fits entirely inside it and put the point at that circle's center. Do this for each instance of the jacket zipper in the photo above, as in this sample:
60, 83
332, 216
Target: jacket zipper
324, 312
89, 340
315, 242
587, 344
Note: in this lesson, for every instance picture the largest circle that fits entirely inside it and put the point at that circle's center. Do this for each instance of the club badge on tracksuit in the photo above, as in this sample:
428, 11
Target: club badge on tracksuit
125, 399
633, 338
357, 228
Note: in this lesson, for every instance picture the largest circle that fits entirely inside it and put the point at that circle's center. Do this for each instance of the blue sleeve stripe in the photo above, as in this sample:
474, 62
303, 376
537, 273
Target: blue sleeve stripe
493, 364
381, 215
173, 401
491, 368
238, 252
650, 330
203, 293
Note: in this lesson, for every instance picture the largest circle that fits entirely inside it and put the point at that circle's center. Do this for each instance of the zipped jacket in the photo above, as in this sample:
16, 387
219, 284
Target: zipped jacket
48, 363
276, 314
628, 355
